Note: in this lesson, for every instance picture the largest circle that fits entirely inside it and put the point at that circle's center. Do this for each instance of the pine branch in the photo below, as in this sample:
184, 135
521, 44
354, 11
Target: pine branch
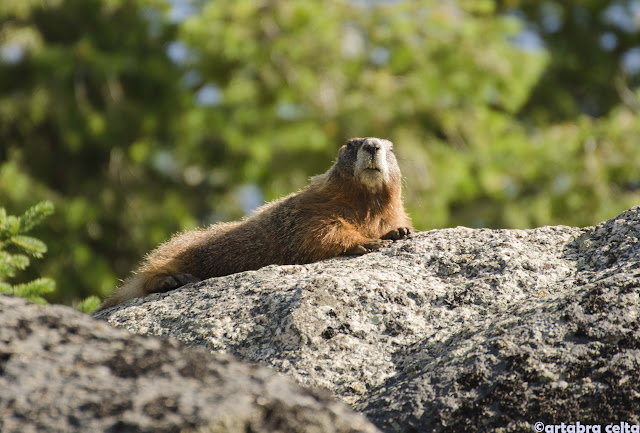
34, 290
10, 263
10, 227
30, 245
12, 234
88, 305
35, 215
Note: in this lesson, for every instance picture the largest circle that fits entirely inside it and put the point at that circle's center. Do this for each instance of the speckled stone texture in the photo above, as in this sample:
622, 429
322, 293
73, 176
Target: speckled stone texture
452, 330
62, 371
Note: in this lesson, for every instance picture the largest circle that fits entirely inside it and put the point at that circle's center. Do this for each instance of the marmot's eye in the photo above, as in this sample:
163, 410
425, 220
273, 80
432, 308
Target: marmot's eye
353, 143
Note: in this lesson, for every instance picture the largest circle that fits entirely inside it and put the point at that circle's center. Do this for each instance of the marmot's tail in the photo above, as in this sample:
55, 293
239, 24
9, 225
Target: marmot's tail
157, 265
132, 287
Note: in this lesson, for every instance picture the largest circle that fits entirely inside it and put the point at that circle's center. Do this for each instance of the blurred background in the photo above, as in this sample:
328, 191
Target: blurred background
140, 118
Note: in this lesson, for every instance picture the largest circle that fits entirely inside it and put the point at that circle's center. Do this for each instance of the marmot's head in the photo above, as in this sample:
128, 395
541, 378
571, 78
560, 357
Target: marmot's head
370, 161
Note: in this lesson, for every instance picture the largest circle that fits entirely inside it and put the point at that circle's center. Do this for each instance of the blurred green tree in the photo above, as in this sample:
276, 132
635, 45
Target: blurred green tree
87, 103
138, 123
592, 45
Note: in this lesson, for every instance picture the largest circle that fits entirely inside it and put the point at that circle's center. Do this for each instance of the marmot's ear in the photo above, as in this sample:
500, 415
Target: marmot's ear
342, 150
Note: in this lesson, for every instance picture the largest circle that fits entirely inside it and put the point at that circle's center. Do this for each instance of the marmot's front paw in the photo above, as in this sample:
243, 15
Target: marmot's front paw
174, 281
373, 245
399, 233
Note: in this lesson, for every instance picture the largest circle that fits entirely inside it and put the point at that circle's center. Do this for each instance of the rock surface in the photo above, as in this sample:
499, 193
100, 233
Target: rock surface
452, 330
62, 371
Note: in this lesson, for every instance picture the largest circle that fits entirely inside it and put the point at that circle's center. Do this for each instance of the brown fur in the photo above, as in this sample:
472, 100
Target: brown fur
338, 213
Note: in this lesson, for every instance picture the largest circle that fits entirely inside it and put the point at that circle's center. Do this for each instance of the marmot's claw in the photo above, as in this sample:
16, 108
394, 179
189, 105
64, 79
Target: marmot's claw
171, 282
373, 245
398, 233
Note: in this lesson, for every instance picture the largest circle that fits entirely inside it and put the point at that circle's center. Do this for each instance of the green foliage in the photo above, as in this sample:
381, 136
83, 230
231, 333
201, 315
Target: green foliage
139, 124
583, 70
13, 238
88, 305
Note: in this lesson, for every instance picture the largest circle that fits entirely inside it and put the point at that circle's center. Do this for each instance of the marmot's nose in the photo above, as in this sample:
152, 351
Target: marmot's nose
371, 146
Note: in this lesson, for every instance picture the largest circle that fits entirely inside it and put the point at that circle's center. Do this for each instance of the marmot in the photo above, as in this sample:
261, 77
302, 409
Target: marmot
353, 208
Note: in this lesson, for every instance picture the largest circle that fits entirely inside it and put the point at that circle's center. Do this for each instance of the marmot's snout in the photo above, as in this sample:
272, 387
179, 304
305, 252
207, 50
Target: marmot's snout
372, 145
371, 163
